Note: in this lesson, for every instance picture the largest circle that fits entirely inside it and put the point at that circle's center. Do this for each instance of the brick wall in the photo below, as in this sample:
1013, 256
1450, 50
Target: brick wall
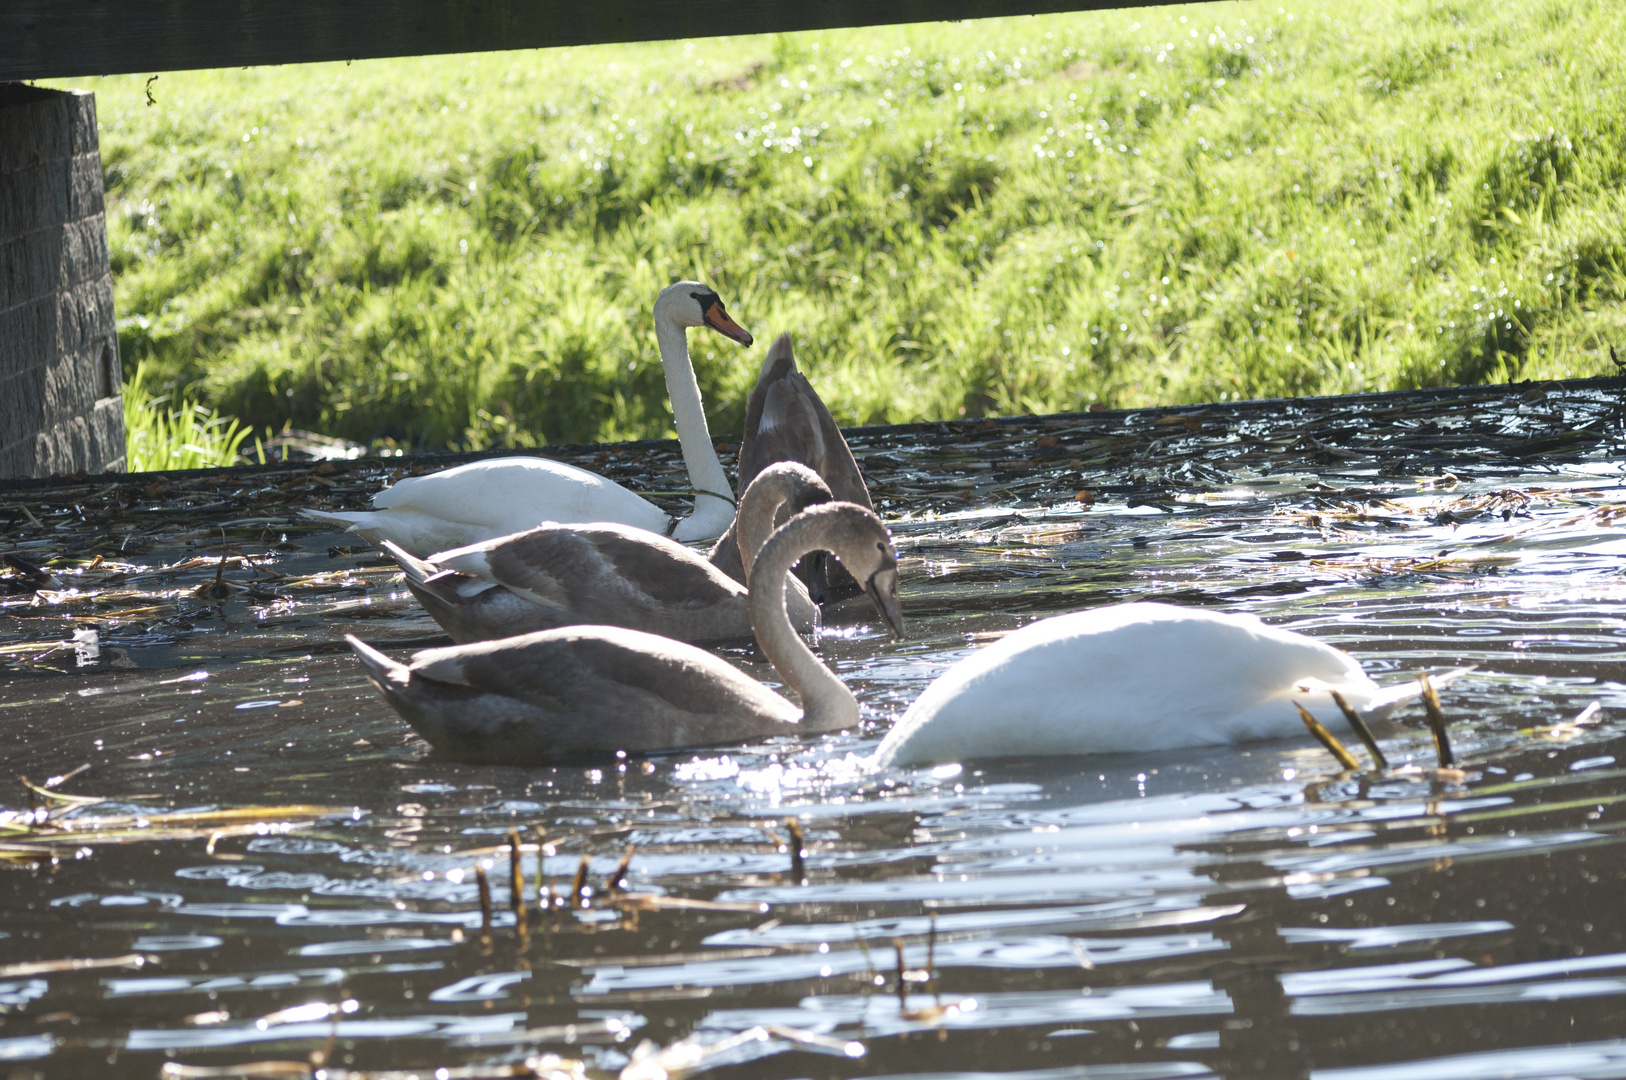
60, 405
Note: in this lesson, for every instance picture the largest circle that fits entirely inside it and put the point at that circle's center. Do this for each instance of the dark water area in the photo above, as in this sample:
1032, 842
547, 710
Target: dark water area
266, 865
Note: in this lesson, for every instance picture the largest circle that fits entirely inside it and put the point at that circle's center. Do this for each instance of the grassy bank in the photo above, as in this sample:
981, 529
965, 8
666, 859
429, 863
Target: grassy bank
1150, 206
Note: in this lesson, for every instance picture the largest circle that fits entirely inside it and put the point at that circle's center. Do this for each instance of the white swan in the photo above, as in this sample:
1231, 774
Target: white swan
593, 690
1130, 677
609, 575
487, 499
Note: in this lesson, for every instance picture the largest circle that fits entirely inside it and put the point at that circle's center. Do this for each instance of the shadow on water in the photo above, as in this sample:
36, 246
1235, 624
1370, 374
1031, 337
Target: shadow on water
265, 865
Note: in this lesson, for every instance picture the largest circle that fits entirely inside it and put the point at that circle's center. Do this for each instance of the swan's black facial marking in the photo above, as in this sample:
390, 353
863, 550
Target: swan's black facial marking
714, 315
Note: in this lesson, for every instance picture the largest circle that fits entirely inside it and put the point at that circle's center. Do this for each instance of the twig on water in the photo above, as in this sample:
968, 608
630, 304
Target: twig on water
1328, 739
903, 974
875, 978
1436, 723
65, 777
798, 868
617, 881
578, 887
544, 895
516, 879
1362, 731
485, 904
931, 956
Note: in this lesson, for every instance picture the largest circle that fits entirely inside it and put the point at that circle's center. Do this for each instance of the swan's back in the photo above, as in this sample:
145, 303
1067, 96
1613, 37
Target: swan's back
575, 691
1130, 677
509, 495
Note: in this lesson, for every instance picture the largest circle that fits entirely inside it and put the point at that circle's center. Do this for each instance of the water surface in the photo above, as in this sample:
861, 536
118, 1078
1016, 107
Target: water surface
1238, 912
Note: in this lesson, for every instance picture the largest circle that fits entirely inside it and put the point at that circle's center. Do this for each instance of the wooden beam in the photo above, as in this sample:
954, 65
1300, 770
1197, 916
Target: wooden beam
60, 38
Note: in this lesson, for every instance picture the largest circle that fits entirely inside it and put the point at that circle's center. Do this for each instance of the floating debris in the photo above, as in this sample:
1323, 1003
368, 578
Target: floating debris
798, 868
32, 835
689, 1056
50, 967
484, 886
516, 880
578, 886
617, 881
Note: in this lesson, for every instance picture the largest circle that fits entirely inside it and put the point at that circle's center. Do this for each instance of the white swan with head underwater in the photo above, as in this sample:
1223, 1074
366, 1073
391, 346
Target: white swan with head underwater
501, 496
1126, 678
592, 690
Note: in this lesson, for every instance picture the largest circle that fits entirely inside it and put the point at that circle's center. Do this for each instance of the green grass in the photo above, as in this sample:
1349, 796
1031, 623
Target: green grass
1148, 206
188, 435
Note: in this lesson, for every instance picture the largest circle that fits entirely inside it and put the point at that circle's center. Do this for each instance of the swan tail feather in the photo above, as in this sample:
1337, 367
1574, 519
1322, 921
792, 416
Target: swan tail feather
385, 673
1390, 698
349, 521
416, 570
423, 577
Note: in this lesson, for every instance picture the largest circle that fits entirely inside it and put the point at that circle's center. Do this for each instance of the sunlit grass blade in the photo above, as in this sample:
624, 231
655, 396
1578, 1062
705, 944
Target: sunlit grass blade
160, 436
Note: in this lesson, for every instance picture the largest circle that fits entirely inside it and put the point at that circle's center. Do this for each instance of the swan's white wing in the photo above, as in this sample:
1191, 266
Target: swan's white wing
513, 494
484, 500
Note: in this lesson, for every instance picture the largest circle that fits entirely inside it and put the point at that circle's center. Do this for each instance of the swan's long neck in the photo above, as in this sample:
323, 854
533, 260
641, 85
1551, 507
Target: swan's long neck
827, 704
758, 508
706, 476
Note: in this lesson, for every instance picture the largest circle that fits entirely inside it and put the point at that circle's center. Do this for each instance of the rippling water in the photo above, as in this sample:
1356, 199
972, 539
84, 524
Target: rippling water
1240, 912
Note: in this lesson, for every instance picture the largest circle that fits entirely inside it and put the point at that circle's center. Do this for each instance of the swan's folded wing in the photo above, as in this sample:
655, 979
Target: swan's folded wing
597, 573
837, 465
725, 553
533, 565
662, 571
779, 362
572, 669
786, 430
507, 495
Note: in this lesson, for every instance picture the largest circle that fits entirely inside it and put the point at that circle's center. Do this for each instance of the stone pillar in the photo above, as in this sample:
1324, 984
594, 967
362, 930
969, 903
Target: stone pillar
61, 409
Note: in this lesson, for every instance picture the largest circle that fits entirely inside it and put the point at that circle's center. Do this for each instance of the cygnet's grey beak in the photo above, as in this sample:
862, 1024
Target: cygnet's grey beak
882, 588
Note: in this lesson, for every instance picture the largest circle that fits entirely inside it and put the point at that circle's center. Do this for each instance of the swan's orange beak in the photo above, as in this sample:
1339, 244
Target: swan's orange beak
718, 320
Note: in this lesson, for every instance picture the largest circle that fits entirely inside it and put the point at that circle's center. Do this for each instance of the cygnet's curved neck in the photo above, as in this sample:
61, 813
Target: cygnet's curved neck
827, 704
712, 502
758, 507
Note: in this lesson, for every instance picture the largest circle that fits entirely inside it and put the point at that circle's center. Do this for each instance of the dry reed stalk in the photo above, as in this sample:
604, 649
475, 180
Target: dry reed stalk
798, 868
1436, 723
1362, 731
1328, 739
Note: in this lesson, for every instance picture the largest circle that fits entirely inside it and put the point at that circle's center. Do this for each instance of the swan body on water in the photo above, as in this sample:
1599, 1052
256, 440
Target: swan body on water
1130, 677
592, 690
483, 500
610, 575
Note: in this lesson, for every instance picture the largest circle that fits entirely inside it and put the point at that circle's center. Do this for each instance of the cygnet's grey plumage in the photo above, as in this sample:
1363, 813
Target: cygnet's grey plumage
610, 575
593, 690
575, 691
785, 420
